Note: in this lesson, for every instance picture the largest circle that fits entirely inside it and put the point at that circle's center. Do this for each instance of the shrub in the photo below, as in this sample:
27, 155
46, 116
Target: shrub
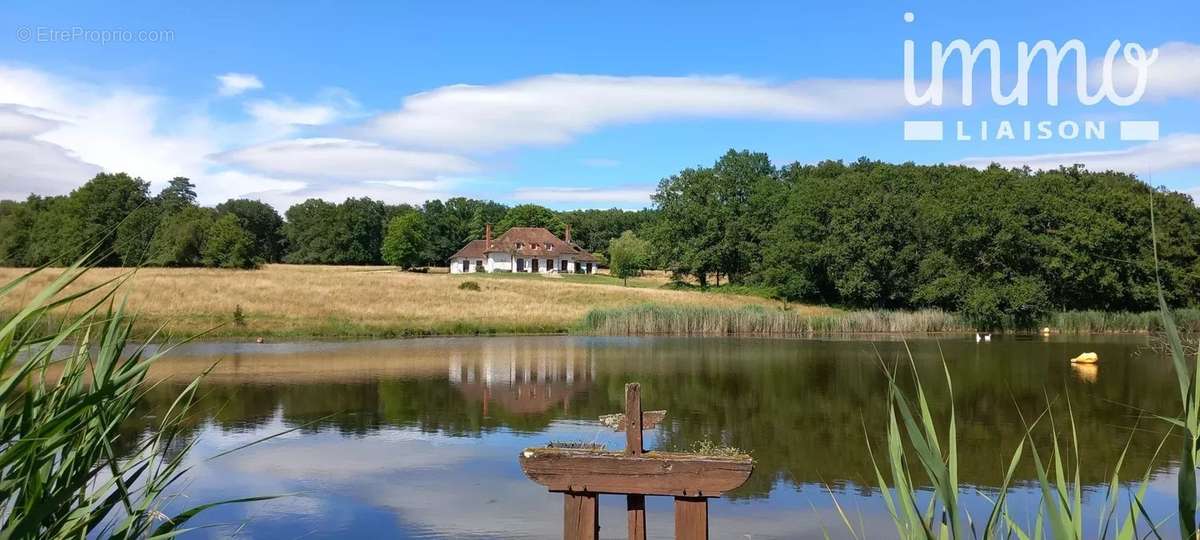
468, 286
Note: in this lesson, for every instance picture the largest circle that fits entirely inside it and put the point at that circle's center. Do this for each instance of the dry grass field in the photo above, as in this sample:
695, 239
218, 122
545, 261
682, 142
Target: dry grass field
343, 301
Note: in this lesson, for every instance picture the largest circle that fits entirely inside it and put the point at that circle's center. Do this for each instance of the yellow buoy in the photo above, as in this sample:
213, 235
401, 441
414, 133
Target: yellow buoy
1046, 331
1086, 358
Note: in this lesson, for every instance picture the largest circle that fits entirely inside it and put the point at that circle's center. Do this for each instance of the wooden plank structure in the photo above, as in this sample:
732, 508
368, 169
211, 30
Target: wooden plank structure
582, 474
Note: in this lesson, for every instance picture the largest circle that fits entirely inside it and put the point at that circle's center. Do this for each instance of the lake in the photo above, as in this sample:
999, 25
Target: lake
420, 438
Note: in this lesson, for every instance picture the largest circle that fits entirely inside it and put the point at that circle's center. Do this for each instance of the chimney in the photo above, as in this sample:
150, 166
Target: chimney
568, 235
487, 236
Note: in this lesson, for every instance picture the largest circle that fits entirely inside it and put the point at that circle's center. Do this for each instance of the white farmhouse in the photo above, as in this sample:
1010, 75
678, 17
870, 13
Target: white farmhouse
524, 249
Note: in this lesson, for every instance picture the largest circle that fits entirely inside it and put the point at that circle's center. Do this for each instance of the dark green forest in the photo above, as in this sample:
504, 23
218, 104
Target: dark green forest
1001, 246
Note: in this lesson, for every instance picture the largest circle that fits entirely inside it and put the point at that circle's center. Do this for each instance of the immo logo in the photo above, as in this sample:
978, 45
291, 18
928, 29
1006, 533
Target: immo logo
1133, 60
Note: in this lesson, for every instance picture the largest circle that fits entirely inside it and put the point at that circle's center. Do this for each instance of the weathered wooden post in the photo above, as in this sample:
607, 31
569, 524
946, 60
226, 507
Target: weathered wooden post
581, 474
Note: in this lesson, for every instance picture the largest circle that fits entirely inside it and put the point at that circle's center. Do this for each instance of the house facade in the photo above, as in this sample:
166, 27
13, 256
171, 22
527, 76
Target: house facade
524, 249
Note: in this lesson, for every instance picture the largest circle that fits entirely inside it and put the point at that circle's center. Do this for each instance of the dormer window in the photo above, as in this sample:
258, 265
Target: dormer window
520, 245
549, 246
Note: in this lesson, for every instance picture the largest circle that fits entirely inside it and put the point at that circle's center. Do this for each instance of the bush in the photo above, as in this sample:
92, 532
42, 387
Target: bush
469, 286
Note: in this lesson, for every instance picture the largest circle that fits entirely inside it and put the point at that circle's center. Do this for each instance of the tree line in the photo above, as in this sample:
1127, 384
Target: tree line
1001, 246
116, 216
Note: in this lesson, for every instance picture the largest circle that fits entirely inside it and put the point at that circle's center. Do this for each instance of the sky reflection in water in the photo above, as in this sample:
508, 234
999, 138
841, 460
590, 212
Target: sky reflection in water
424, 434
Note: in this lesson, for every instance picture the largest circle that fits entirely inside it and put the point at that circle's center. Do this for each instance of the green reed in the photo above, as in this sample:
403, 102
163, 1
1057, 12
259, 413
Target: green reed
652, 319
913, 437
1120, 322
914, 442
64, 395
685, 320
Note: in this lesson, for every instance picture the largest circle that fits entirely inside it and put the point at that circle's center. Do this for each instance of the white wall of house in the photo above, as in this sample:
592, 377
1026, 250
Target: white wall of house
456, 265
503, 262
499, 262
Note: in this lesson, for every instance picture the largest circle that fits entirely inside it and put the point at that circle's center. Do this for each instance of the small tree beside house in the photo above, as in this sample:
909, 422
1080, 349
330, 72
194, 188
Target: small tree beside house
628, 256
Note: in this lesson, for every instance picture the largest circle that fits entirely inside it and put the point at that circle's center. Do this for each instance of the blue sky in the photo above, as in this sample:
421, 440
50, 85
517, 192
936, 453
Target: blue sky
569, 104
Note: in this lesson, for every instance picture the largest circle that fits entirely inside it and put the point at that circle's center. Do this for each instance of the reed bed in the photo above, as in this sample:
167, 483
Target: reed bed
687, 321
652, 319
1120, 322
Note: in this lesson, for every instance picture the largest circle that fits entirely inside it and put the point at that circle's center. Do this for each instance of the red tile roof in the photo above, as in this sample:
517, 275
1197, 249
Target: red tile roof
525, 242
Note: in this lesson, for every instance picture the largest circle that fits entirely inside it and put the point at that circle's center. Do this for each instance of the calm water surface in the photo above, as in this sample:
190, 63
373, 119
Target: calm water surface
419, 438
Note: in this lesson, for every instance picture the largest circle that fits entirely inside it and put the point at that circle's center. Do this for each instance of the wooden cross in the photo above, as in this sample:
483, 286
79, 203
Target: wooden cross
581, 474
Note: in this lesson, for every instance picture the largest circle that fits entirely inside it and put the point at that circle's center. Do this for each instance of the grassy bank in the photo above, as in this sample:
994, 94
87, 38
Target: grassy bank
668, 320
343, 301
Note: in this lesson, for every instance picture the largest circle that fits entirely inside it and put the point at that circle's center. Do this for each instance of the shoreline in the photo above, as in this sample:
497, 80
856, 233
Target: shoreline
416, 334
341, 302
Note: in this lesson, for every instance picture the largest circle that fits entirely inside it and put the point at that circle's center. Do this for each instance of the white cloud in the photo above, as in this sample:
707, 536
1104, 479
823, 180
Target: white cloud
20, 122
331, 105
39, 167
56, 133
32, 165
554, 109
1177, 151
337, 190
585, 195
344, 158
1176, 73
275, 113
232, 84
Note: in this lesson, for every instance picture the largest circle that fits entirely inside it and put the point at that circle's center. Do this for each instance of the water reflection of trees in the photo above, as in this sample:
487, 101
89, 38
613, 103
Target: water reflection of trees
801, 408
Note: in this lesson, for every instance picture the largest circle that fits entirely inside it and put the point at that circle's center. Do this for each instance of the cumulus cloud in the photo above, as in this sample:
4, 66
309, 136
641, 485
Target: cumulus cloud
232, 84
635, 195
59, 131
554, 109
56, 133
1177, 151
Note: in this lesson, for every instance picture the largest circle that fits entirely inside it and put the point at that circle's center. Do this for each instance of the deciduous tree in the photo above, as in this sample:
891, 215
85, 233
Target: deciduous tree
406, 242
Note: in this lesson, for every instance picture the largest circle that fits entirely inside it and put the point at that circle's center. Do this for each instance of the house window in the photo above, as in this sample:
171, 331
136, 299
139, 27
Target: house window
589, 268
478, 265
562, 265
464, 265
520, 265
535, 265
549, 264
549, 246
